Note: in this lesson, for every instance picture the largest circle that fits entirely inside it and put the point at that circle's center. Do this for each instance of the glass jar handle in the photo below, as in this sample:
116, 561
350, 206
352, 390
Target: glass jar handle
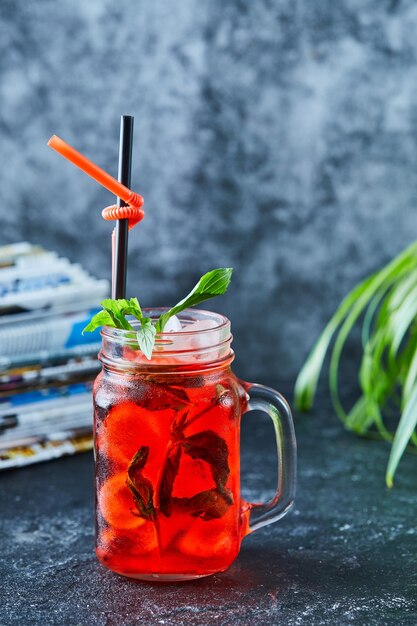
268, 400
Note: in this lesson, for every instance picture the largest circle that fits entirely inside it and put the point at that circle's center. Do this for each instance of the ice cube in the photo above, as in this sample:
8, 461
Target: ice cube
201, 325
201, 339
173, 325
117, 505
192, 336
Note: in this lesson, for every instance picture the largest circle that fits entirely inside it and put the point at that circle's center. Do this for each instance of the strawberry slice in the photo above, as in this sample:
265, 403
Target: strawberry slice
128, 427
117, 505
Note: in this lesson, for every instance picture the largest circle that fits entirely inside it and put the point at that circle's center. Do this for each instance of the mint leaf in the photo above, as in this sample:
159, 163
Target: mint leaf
169, 474
207, 505
140, 487
146, 337
211, 448
134, 302
130, 307
103, 318
114, 314
114, 308
210, 285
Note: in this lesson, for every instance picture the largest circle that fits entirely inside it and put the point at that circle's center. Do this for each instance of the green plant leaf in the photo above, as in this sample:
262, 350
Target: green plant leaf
146, 337
102, 318
403, 434
307, 380
410, 379
212, 284
356, 419
388, 369
351, 308
401, 319
384, 279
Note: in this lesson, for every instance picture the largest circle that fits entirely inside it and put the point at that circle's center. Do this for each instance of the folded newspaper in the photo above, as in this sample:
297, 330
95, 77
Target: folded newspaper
46, 365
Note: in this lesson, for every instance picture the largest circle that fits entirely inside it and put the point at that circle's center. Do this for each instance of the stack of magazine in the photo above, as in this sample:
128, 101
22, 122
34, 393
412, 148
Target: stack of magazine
46, 365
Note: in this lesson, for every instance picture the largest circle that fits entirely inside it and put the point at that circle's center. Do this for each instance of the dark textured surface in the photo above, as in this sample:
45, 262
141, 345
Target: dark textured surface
344, 555
278, 137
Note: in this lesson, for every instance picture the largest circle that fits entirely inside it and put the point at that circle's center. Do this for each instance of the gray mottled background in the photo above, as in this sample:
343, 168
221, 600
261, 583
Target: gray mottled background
279, 137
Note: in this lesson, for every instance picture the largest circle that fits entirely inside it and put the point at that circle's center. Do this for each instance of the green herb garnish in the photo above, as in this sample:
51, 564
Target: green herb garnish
387, 300
114, 312
212, 284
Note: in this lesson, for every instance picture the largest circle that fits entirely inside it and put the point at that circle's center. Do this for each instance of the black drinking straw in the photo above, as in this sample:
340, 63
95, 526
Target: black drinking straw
118, 287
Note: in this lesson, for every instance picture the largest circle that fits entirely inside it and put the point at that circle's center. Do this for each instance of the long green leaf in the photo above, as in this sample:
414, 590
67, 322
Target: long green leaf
307, 380
401, 319
410, 380
388, 371
381, 280
357, 419
403, 433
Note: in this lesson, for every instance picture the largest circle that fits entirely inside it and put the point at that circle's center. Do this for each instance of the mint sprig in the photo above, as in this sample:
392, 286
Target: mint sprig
212, 284
114, 312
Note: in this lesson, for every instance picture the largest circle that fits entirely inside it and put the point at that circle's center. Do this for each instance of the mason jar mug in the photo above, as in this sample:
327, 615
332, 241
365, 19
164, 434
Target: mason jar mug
167, 452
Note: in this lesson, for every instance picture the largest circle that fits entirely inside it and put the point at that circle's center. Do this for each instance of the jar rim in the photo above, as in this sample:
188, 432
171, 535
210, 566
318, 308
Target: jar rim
207, 340
188, 316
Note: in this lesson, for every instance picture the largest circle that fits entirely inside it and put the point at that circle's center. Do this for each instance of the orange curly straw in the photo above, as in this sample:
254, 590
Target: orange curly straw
133, 212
